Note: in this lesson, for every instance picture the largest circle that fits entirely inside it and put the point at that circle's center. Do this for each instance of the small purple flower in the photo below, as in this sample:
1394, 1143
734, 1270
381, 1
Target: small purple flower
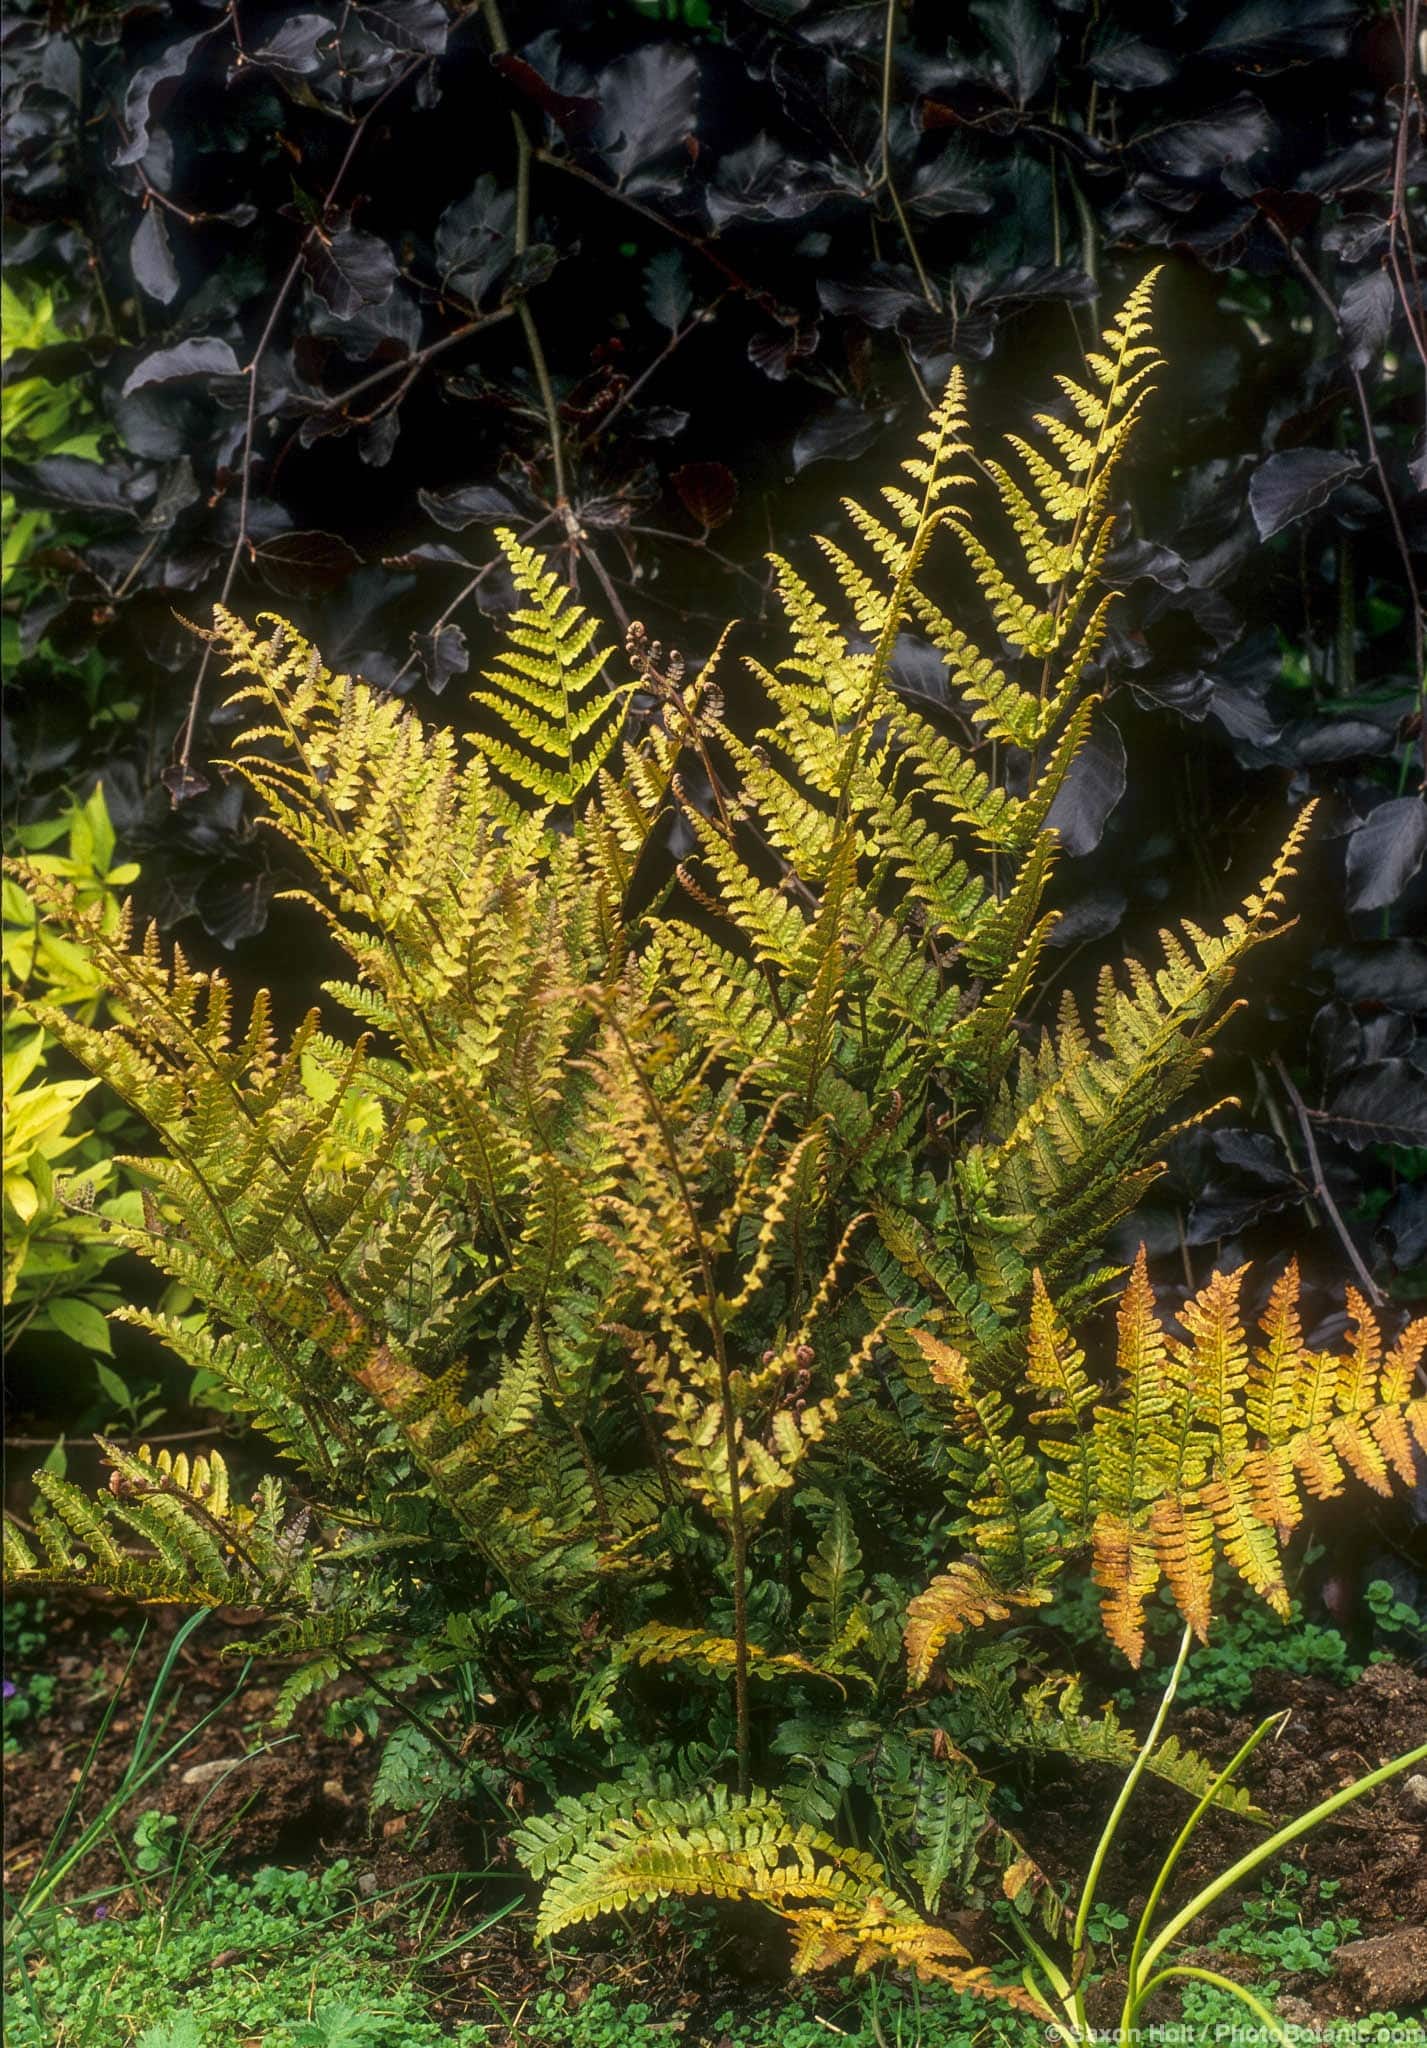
9, 1689
101, 1912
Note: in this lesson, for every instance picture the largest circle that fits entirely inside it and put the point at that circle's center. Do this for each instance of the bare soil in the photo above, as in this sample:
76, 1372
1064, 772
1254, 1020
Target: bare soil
305, 1799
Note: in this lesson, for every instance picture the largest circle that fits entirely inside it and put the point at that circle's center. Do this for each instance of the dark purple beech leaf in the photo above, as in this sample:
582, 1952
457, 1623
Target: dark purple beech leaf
708, 492
840, 435
435, 551
82, 486
1359, 167
1024, 41
475, 238
1389, 1036
1124, 61
57, 361
442, 654
775, 354
832, 101
1265, 36
1288, 487
1196, 150
657, 422
417, 27
204, 355
1365, 315
295, 46
530, 268
350, 270
1385, 852
1403, 1223
1188, 691
178, 489
648, 106
1417, 467
151, 80
668, 295
1384, 1104
1314, 742
574, 114
953, 182
1389, 972
305, 564
1257, 1184
1250, 726
61, 68
610, 509
1093, 915
878, 299
1335, 1040
1355, 239
232, 902
761, 182
183, 784
917, 669
378, 438
1091, 790
471, 505
151, 258
939, 339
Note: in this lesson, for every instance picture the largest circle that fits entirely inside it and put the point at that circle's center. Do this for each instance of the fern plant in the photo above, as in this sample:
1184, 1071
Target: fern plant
643, 1296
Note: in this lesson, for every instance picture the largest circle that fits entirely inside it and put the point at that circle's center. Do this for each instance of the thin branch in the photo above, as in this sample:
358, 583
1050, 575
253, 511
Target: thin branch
417, 361
1320, 1186
632, 391
1374, 453
734, 278
1398, 222
885, 177
524, 153
466, 590
285, 289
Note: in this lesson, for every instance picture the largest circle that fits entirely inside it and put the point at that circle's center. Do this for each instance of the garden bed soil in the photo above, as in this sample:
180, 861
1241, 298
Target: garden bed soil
304, 1799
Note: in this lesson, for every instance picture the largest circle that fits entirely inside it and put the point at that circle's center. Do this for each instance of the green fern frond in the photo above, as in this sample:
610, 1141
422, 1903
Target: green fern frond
561, 727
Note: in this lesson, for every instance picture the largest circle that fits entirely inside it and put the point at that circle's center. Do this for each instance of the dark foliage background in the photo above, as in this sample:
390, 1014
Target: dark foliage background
651, 283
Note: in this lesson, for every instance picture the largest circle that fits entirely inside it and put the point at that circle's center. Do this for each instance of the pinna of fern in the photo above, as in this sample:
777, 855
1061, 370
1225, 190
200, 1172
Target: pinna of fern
1204, 1445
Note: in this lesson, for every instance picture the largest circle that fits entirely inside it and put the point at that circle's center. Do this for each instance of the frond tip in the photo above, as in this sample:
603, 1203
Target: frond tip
839, 1902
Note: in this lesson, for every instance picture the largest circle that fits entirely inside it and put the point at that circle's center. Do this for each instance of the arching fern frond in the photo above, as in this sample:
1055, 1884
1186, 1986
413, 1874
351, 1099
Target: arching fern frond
839, 1902
1203, 1447
558, 726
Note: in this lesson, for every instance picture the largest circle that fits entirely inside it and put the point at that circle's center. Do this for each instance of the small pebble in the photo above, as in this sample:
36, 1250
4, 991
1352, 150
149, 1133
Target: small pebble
204, 1774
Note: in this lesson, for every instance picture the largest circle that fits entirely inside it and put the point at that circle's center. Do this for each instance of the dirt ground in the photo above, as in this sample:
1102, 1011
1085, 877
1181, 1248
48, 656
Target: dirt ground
305, 1800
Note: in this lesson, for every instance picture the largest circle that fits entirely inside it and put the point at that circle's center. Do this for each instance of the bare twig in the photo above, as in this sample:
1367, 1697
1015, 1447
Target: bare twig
734, 278
418, 360
524, 153
632, 391
466, 590
1374, 453
1399, 226
1320, 1186
885, 175
245, 467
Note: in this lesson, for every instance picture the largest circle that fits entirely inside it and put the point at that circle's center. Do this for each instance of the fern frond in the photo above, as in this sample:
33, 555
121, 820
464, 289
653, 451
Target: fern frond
961, 1597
